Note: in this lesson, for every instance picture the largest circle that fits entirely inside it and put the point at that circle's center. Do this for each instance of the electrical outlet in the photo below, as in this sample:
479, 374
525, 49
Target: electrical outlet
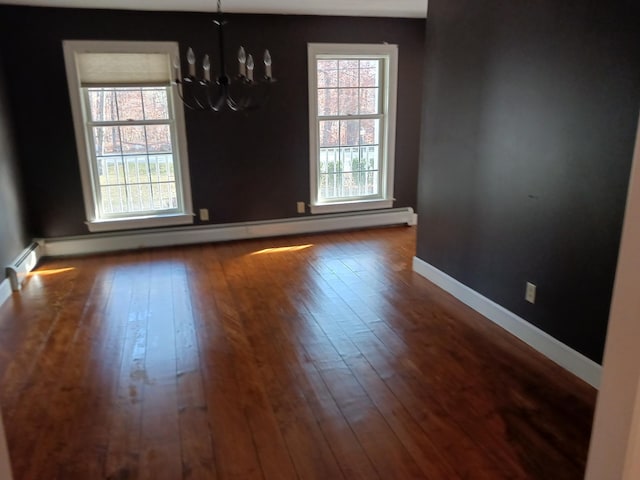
301, 207
204, 214
530, 294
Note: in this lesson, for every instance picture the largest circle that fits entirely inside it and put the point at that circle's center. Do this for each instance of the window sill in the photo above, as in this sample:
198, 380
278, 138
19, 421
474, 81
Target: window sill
351, 206
139, 222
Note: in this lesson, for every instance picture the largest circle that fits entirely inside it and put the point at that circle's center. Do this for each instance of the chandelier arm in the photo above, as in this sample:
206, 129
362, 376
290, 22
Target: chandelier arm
219, 103
210, 105
186, 103
232, 104
246, 104
194, 93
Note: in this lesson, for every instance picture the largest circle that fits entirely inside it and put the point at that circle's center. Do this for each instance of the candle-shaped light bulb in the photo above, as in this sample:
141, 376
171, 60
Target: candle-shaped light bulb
191, 58
267, 64
250, 67
176, 66
242, 62
206, 68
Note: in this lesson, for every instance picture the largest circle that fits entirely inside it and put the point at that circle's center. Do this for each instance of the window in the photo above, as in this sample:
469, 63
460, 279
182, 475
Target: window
129, 134
352, 103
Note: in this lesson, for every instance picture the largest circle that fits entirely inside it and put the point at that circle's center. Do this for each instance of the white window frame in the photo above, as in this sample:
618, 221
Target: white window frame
95, 222
389, 83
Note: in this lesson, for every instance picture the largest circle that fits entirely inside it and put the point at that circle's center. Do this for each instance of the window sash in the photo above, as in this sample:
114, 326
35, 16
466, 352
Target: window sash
380, 86
380, 192
99, 187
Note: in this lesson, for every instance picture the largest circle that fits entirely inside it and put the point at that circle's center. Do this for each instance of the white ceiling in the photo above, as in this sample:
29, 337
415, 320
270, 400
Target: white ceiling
374, 8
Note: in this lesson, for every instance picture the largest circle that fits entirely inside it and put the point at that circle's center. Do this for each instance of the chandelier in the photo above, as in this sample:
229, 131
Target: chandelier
200, 92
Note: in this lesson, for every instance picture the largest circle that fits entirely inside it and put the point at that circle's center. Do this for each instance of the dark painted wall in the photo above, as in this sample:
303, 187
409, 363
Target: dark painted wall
13, 237
530, 113
242, 167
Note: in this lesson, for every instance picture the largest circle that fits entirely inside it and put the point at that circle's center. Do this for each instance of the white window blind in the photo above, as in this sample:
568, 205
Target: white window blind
97, 69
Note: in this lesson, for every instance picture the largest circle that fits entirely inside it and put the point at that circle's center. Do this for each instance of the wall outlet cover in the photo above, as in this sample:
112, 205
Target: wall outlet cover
530, 293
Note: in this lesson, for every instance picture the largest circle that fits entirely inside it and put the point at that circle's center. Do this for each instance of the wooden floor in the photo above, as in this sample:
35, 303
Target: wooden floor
316, 357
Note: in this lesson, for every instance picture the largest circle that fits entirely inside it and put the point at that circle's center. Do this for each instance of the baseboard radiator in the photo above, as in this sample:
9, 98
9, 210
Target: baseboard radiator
22, 265
162, 237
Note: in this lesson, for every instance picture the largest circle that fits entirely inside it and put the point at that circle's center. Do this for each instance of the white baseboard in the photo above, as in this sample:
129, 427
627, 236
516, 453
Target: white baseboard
563, 355
5, 290
130, 240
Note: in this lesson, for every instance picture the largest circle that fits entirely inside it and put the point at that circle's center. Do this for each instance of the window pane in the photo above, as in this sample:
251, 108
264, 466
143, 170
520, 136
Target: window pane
369, 73
110, 170
133, 139
329, 133
137, 169
114, 199
348, 73
370, 63
139, 197
129, 104
161, 167
369, 103
328, 102
369, 132
348, 101
106, 140
155, 104
164, 196
102, 104
330, 186
350, 159
370, 157
158, 138
349, 132
327, 73
329, 160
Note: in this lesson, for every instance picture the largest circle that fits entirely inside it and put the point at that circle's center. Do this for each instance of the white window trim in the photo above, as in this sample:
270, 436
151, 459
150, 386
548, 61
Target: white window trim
390, 54
94, 223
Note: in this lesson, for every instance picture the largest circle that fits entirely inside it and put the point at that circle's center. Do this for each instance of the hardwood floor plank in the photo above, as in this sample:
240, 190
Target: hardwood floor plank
124, 448
160, 455
198, 462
